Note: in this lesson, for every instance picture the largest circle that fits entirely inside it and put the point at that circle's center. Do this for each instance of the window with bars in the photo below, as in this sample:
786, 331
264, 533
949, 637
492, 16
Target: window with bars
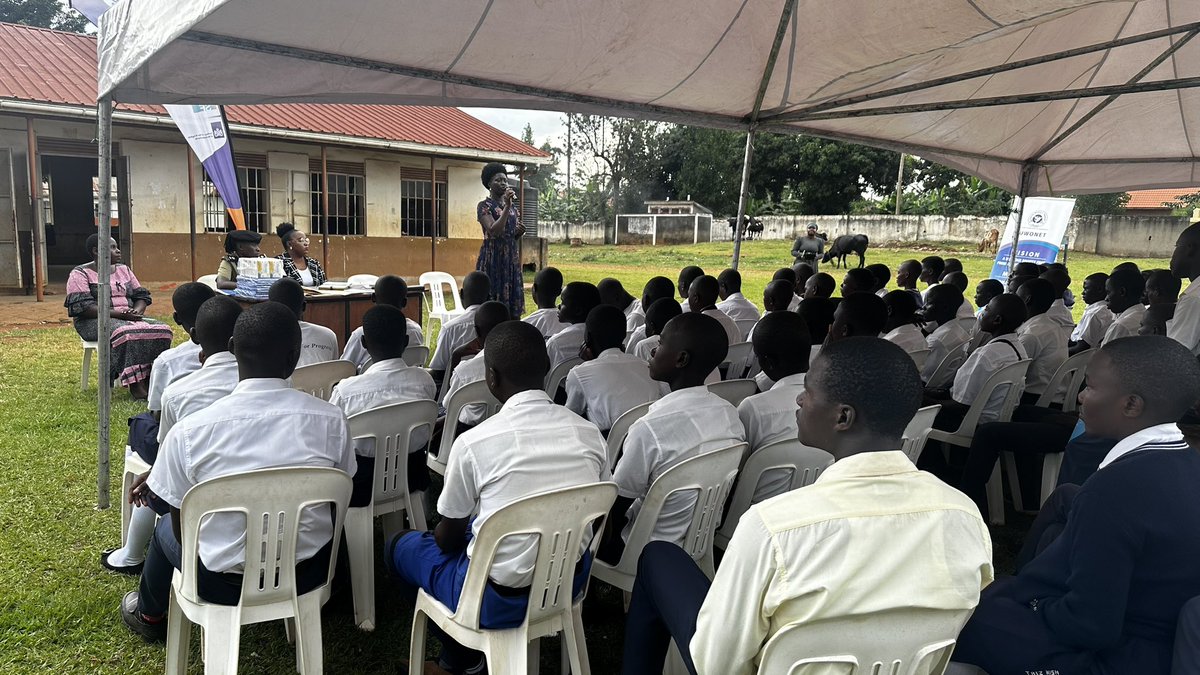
347, 204
417, 204
254, 202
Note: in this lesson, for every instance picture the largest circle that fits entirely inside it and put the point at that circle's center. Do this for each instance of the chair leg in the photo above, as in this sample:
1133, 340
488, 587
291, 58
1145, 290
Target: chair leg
221, 644
533, 662
1051, 466
1014, 481
416, 647
308, 635
87, 369
416, 511
126, 507
360, 542
995, 497
574, 643
179, 634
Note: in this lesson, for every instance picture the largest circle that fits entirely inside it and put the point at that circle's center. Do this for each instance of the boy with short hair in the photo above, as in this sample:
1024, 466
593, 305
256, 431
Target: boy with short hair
883, 275
461, 329
656, 320
702, 297
932, 268
858, 280
547, 286
960, 281
686, 276
1162, 288
1096, 316
318, 343
471, 368
390, 290
859, 315
819, 285
948, 336
733, 303
609, 382
1184, 327
386, 381
578, 299
985, 291
778, 296
907, 276
1060, 280
654, 290
901, 325
1124, 299
183, 358
1041, 336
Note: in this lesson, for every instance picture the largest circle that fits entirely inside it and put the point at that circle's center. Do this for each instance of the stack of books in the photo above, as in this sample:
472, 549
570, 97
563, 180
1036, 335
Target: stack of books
256, 276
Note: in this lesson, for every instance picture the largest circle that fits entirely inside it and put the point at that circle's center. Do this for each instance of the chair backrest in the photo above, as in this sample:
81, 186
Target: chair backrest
917, 431
416, 355
209, 280
436, 283
620, 429
745, 326
362, 281
475, 392
737, 361
318, 379
710, 476
1013, 374
1066, 382
968, 323
271, 501
560, 519
392, 427
734, 391
558, 375
895, 642
920, 356
944, 373
804, 464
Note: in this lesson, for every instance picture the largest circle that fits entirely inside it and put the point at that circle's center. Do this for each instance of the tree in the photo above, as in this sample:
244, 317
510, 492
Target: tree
625, 168
43, 14
1101, 204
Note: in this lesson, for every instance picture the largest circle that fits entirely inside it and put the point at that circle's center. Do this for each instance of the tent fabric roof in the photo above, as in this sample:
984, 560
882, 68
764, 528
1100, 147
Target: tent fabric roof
1157, 199
938, 78
49, 66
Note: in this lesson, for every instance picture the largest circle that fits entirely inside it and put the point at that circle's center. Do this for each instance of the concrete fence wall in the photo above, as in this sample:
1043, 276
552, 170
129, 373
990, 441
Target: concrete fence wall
1132, 236
879, 229
560, 232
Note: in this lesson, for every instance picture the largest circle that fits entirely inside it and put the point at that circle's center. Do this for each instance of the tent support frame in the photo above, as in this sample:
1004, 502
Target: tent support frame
103, 301
1028, 178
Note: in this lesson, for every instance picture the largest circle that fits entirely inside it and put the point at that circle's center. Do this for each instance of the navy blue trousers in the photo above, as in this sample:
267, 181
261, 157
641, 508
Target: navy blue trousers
667, 595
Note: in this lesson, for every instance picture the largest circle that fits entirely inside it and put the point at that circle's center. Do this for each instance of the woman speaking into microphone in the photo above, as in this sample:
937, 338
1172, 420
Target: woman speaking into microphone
500, 253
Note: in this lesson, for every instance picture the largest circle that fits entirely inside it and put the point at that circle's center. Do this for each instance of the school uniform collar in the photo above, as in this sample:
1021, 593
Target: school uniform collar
793, 380
1162, 434
1034, 323
735, 296
388, 365
527, 397
219, 359
680, 395
947, 327
260, 384
868, 465
610, 354
1132, 310
1192, 289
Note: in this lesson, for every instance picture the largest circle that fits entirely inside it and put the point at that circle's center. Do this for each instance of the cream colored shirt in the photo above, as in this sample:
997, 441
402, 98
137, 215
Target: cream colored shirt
1185, 327
871, 535
1127, 323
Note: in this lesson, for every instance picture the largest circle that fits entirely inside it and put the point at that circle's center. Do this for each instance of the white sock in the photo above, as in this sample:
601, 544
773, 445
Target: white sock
141, 528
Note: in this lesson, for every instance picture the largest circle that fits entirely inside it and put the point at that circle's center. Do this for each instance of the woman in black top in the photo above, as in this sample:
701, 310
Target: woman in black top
296, 263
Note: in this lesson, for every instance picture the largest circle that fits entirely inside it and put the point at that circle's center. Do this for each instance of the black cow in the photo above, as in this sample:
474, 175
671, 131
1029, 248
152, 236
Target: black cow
844, 246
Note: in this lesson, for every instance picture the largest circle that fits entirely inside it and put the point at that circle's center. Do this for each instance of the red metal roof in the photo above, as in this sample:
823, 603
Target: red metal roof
49, 66
1157, 199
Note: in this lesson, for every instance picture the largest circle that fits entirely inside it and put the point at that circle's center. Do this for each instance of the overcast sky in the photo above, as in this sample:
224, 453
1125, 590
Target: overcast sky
547, 126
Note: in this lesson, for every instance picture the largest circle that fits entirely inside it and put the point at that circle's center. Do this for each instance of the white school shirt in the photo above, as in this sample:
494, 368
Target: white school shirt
635, 315
813, 554
979, 366
882, 292
681, 425
262, 424
739, 308
966, 310
565, 343
384, 383
467, 371
1185, 327
357, 354
169, 366
1127, 323
732, 332
529, 446
455, 333
770, 417
608, 386
318, 344
635, 337
1062, 316
1093, 324
1043, 340
196, 391
546, 321
1162, 436
795, 303
907, 337
644, 348
942, 341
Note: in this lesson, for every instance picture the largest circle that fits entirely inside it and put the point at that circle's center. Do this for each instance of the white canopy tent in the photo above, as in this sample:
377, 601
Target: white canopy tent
1038, 96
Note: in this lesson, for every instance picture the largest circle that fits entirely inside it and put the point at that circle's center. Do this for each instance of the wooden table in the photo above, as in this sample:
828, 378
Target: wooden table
343, 312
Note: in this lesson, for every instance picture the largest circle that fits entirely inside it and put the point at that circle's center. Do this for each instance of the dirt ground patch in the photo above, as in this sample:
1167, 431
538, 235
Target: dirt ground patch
25, 312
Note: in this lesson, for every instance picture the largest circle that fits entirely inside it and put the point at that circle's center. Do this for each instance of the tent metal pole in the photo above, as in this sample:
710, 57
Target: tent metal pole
1028, 173
103, 301
743, 195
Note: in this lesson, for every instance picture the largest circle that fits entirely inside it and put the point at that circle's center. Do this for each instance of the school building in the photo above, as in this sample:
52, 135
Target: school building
403, 182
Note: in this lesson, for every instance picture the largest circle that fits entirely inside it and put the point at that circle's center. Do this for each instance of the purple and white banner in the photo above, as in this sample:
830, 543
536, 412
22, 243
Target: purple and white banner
1043, 225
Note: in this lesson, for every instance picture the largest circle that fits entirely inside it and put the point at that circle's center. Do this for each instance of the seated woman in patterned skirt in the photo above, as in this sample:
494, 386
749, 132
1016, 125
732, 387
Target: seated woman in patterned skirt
135, 340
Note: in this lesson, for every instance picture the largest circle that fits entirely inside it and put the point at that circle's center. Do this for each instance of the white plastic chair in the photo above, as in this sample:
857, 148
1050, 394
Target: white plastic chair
920, 356
89, 349
475, 392
710, 476
1014, 375
734, 391
968, 323
272, 501
745, 326
209, 280
134, 467
362, 281
416, 355
392, 427
620, 429
558, 375
943, 375
1067, 381
318, 379
560, 520
804, 464
899, 641
737, 360
436, 282
917, 431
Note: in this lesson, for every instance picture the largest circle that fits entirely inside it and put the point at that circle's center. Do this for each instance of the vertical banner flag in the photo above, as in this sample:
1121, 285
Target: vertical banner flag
1043, 228
203, 126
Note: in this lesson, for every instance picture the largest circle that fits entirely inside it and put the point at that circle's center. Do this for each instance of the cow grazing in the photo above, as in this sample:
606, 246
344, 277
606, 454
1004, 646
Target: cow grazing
844, 246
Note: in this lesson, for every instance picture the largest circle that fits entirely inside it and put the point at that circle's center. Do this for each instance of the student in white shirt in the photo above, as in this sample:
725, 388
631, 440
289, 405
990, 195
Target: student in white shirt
578, 299
1060, 280
386, 381
656, 319
609, 382
782, 345
802, 272
985, 291
702, 297
389, 290
733, 303
687, 423
883, 276
1124, 299
907, 275
656, 289
1184, 328
778, 568
960, 281
262, 424
858, 315
612, 292
1096, 317
468, 364
933, 268
1041, 337
183, 358
318, 343
777, 297
902, 319
212, 325
529, 446
1155, 320
819, 285
461, 329
686, 276
547, 286
948, 336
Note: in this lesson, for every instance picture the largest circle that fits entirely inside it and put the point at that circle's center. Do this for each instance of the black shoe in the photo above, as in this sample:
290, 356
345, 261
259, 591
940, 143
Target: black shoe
131, 570
150, 632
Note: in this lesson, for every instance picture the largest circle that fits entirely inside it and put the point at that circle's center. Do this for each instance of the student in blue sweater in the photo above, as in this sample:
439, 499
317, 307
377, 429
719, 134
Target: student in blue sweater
1105, 595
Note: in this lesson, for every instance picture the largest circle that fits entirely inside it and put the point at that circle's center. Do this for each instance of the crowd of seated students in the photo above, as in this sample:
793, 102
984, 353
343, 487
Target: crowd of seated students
1101, 580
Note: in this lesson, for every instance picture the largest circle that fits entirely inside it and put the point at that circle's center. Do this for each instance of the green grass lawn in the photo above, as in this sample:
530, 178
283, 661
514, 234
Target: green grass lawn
59, 608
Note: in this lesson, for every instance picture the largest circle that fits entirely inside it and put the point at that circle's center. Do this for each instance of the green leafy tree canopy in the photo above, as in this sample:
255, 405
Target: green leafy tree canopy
43, 14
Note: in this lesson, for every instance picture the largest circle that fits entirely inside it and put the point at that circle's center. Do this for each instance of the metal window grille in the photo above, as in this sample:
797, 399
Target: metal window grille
254, 202
416, 208
347, 205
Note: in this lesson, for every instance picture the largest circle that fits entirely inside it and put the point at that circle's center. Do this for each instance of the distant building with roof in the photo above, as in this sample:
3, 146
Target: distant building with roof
403, 181
1156, 202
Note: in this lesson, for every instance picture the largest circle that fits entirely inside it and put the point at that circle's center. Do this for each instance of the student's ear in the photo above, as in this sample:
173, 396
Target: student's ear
846, 417
366, 342
1133, 406
683, 359
232, 347
492, 378
175, 318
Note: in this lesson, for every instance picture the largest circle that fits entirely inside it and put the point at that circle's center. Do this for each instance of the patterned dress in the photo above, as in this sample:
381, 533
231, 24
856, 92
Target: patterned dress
135, 344
500, 258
